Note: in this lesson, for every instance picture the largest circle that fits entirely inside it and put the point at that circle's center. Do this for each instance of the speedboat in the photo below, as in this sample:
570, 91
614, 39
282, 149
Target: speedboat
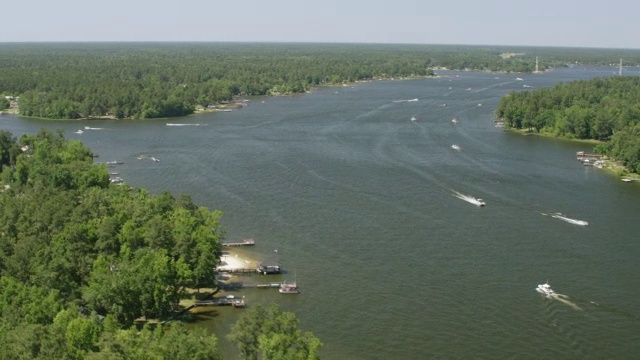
79, 132
454, 120
413, 118
456, 147
288, 288
545, 289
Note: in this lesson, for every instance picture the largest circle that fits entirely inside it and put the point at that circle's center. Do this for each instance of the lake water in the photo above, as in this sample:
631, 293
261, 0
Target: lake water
358, 199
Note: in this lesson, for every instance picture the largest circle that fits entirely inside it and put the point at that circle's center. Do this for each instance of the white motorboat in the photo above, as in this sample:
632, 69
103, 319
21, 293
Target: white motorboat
413, 118
545, 289
79, 132
456, 147
454, 120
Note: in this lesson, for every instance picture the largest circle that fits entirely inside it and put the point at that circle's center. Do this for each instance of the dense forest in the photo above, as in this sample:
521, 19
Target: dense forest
150, 80
82, 259
606, 109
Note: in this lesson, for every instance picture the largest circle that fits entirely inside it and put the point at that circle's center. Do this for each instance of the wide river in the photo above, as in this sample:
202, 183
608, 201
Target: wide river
360, 202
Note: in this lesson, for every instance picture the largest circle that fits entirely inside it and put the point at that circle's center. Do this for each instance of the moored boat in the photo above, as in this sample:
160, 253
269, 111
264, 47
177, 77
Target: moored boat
291, 288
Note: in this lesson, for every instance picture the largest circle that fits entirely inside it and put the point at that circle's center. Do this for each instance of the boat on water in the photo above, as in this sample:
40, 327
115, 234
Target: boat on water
456, 147
454, 120
545, 289
78, 132
413, 118
519, 79
291, 288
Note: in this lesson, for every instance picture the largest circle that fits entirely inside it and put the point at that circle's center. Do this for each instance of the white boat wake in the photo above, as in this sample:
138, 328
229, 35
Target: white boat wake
469, 199
92, 128
569, 220
410, 100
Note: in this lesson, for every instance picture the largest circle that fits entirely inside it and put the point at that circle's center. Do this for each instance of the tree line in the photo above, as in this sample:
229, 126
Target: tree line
81, 259
606, 109
151, 80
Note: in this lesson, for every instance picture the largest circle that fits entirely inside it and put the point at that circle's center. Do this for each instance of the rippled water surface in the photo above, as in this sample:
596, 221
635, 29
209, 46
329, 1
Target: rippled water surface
361, 203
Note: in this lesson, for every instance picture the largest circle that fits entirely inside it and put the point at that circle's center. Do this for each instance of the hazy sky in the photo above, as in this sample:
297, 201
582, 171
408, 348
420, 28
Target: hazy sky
587, 23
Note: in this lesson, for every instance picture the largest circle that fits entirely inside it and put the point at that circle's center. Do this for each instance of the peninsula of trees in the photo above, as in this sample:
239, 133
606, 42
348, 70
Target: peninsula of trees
151, 80
81, 259
606, 109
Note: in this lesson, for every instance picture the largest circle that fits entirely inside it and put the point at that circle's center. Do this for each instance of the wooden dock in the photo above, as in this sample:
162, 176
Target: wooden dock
238, 285
245, 242
224, 301
239, 271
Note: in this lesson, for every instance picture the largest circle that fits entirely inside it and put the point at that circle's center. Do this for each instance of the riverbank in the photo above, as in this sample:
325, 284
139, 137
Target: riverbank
612, 166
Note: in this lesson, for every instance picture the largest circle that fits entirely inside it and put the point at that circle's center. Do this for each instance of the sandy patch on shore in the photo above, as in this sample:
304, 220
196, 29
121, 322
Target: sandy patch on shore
231, 260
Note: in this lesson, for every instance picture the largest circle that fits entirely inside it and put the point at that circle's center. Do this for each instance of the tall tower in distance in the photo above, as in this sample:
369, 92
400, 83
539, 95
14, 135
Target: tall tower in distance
620, 70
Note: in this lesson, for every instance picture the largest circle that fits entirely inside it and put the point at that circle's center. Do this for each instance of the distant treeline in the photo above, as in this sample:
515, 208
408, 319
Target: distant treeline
150, 80
605, 109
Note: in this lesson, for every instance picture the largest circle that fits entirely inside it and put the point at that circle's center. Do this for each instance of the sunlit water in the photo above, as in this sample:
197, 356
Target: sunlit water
359, 200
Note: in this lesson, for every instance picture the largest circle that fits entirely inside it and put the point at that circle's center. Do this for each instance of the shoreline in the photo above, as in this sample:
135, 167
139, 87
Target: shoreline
611, 166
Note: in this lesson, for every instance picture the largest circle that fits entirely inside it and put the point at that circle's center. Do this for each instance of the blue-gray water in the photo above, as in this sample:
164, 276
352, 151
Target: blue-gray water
358, 200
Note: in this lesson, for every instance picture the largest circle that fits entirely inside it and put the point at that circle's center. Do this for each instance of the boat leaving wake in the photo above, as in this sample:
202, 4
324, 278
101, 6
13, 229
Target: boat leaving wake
546, 290
410, 100
569, 220
92, 128
469, 199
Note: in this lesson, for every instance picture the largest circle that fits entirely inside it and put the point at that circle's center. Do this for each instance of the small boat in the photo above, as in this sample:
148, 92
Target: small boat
78, 132
545, 289
456, 147
479, 104
413, 118
519, 79
454, 120
155, 159
289, 288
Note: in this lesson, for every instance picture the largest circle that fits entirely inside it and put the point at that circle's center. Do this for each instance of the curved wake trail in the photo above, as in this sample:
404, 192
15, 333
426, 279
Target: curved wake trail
565, 300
